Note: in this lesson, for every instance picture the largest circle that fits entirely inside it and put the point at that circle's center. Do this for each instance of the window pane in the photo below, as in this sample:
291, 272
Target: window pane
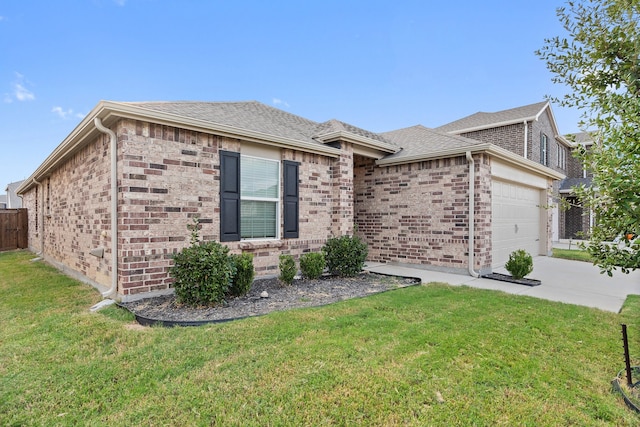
258, 219
259, 178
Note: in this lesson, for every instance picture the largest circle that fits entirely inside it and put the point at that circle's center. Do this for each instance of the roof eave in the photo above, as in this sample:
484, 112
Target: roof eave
535, 117
490, 149
107, 111
440, 154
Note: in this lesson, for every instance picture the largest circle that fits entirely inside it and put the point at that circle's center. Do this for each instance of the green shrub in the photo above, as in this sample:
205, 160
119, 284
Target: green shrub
244, 274
345, 256
520, 264
202, 273
312, 264
287, 269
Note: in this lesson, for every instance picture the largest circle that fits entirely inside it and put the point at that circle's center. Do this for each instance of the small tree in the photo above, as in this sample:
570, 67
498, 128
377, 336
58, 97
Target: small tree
598, 62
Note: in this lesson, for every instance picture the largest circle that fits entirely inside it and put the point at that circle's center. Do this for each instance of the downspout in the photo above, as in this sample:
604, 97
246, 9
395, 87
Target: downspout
526, 138
41, 219
114, 208
472, 206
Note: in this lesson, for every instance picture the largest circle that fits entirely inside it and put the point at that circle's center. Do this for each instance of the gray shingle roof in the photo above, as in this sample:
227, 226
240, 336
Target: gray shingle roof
419, 140
257, 117
334, 125
485, 120
567, 184
583, 138
13, 201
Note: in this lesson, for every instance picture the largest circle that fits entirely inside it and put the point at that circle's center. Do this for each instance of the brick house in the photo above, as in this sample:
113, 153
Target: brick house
529, 131
112, 203
575, 220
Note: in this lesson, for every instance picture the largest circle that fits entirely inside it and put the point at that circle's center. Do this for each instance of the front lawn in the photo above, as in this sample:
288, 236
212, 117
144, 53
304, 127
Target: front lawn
572, 254
425, 355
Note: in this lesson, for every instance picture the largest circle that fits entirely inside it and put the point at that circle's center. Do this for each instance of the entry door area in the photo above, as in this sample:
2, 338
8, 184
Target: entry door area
516, 220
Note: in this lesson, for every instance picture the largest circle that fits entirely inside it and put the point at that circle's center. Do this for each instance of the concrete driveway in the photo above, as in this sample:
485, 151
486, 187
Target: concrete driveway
572, 282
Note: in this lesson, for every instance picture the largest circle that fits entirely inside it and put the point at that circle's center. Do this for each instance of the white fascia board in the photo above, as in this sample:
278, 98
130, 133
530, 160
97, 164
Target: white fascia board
441, 154
530, 165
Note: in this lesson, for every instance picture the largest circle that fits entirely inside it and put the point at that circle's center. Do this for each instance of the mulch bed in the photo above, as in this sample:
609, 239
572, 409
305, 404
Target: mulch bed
301, 293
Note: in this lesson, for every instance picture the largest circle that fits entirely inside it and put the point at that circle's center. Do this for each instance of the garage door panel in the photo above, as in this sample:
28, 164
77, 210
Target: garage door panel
516, 220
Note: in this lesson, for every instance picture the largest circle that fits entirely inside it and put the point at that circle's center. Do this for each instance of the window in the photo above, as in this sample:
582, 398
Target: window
562, 156
250, 198
544, 149
259, 198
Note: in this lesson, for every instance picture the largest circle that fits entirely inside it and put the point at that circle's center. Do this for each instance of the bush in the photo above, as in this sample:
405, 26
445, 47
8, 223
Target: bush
287, 269
345, 256
202, 273
244, 274
520, 264
312, 265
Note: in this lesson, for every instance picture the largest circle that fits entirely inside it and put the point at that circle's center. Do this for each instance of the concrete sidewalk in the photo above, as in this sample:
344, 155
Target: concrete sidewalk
572, 282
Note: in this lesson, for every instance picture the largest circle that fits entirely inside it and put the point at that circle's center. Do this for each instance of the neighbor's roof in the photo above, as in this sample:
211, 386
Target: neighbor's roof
420, 143
13, 201
482, 120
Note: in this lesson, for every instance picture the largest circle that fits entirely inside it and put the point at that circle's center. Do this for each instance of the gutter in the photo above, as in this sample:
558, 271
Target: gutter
41, 219
472, 206
526, 138
114, 207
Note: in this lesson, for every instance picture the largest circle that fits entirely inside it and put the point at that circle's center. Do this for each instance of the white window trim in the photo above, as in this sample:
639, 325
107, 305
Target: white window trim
263, 199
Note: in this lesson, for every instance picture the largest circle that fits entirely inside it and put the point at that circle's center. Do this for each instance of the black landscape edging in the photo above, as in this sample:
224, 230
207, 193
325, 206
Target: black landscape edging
147, 321
618, 388
507, 278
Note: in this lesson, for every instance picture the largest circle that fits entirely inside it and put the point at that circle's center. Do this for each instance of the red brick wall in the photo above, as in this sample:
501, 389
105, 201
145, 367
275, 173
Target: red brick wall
171, 175
71, 215
418, 213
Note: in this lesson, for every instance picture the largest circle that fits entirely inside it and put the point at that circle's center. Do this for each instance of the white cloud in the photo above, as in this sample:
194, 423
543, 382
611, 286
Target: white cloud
66, 114
277, 101
19, 90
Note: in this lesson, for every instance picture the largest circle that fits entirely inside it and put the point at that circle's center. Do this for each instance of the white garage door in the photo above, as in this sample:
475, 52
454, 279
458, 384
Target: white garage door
516, 214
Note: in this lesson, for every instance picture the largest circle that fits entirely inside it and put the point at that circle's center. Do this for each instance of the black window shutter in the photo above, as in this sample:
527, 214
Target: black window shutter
290, 199
229, 196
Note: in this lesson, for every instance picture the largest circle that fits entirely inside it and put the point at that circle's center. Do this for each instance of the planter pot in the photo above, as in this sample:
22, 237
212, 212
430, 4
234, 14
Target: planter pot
507, 278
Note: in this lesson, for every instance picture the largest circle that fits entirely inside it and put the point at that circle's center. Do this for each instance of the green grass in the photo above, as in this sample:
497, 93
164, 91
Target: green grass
495, 359
572, 254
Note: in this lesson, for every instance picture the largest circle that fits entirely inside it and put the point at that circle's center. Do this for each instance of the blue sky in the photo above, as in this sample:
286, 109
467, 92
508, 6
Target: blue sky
379, 65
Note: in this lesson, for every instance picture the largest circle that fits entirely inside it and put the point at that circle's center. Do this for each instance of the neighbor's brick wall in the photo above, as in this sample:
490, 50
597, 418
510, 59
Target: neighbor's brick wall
418, 213
510, 137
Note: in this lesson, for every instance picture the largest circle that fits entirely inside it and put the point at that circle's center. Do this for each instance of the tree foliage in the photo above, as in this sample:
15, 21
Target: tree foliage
599, 62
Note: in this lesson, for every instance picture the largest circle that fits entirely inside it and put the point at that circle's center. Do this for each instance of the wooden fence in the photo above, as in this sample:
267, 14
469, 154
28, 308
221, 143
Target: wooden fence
13, 229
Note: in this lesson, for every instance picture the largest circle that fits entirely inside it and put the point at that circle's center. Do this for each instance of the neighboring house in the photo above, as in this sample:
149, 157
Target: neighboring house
530, 131
575, 221
3, 201
267, 182
13, 201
